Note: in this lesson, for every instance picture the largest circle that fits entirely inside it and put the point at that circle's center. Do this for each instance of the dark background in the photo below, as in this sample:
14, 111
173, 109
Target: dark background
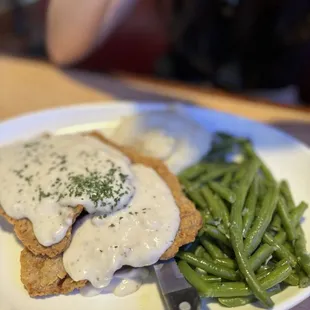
237, 45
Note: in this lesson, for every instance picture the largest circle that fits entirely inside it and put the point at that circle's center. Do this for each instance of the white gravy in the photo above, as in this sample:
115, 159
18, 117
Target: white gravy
135, 236
43, 179
124, 282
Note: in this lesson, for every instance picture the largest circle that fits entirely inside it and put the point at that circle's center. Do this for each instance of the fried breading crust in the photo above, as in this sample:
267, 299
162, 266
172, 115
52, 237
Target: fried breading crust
24, 232
46, 276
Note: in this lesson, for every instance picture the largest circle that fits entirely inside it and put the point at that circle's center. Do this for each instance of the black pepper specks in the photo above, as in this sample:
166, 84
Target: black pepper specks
101, 217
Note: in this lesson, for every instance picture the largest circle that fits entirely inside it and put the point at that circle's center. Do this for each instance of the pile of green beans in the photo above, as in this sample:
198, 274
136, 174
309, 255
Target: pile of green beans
251, 245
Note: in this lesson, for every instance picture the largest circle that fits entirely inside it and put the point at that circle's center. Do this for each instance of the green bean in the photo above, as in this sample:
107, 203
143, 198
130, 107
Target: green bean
228, 251
227, 262
199, 251
241, 193
241, 301
224, 209
206, 216
209, 267
200, 271
216, 234
232, 302
260, 256
297, 213
227, 179
224, 136
263, 273
191, 276
285, 219
219, 152
213, 205
219, 165
265, 170
281, 252
207, 256
280, 237
250, 194
226, 289
286, 192
240, 173
194, 195
292, 279
236, 234
223, 191
262, 189
304, 280
267, 269
211, 248
200, 233
289, 247
250, 205
281, 271
276, 223
262, 221
193, 171
211, 279
240, 289
303, 257
263, 268
213, 175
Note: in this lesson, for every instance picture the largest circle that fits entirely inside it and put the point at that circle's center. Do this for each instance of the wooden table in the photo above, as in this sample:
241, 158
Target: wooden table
27, 86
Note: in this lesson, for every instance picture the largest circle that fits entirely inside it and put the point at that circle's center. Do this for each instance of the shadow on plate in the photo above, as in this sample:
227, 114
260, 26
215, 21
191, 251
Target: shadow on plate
5, 226
8, 228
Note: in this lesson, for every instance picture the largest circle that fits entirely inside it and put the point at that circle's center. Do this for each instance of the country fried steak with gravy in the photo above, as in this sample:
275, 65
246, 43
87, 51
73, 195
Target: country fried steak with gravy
42, 269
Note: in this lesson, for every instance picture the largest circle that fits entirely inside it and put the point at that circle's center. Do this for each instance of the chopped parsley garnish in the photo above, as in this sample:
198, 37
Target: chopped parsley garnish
31, 144
123, 177
98, 187
42, 194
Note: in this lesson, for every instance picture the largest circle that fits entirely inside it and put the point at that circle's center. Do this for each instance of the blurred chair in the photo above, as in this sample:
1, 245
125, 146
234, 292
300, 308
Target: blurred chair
22, 28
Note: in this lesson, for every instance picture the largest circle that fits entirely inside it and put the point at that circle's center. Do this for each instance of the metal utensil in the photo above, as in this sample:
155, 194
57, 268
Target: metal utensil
177, 292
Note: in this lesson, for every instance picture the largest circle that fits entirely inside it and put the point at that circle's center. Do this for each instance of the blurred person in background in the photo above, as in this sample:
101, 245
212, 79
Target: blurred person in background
237, 45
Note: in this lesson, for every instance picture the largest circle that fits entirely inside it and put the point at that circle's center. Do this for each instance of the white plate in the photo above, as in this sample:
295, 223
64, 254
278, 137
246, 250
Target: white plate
287, 157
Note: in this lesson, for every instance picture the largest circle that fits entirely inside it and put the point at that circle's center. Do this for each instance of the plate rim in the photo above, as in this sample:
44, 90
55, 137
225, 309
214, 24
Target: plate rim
111, 104
146, 103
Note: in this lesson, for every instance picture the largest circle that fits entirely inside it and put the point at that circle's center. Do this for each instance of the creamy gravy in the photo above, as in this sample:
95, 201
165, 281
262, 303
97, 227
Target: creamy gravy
124, 283
44, 178
135, 236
